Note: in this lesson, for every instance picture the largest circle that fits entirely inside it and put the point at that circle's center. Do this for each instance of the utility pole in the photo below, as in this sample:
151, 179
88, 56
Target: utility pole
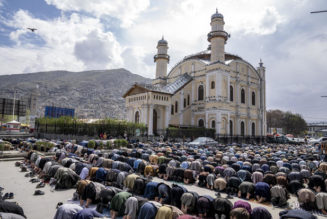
13, 108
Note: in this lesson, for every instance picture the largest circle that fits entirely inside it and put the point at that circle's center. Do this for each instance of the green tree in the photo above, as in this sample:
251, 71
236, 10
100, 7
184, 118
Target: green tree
289, 122
294, 123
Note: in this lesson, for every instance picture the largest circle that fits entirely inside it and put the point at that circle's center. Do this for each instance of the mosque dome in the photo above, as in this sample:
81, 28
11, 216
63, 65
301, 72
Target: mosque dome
216, 15
162, 42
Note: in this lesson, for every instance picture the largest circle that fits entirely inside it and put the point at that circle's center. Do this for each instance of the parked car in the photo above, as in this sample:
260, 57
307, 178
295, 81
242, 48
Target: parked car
291, 140
317, 141
202, 141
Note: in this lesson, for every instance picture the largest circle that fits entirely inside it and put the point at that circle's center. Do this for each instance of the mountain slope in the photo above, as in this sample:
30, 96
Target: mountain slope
93, 94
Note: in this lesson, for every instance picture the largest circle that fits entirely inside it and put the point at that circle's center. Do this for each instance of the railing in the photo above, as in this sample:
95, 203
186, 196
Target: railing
246, 139
189, 132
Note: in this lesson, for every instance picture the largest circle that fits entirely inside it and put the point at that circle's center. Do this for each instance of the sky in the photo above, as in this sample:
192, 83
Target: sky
78, 35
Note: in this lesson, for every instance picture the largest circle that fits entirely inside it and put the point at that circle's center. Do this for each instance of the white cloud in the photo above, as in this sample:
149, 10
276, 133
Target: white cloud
269, 20
124, 10
99, 50
184, 24
62, 38
135, 61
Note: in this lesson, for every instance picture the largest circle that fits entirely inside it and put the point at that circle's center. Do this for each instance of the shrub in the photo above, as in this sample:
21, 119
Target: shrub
123, 142
117, 143
108, 145
5, 146
38, 145
72, 126
91, 144
120, 143
101, 145
43, 145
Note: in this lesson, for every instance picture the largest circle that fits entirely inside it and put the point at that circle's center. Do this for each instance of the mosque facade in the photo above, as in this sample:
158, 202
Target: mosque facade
211, 89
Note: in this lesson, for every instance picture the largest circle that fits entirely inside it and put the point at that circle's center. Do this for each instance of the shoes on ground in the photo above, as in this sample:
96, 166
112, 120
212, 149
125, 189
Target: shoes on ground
35, 180
11, 195
40, 185
6, 196
38, 192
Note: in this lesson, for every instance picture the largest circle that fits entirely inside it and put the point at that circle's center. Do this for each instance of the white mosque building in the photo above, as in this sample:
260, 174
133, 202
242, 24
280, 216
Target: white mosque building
211, 88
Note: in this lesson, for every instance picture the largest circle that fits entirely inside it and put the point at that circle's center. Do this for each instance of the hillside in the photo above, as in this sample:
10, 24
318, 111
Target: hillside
93, 94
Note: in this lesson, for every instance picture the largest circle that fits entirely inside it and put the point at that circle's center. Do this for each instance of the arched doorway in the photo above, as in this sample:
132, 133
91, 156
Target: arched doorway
213, 124
242, 129
155, 121
253, 129
137, 117
201, 123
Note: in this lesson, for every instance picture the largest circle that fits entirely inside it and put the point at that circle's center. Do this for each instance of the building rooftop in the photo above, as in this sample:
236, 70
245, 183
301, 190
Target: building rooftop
180, 82
170, 88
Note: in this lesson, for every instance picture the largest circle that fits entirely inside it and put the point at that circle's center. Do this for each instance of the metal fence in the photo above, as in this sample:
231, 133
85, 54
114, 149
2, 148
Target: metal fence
189, 133
119, 130
247, 139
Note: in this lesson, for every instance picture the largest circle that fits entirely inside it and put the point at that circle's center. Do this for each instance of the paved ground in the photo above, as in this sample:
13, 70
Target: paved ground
35, 207
44, 207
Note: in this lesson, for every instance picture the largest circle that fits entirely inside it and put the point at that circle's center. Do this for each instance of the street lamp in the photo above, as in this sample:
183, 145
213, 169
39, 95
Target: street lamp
316, 12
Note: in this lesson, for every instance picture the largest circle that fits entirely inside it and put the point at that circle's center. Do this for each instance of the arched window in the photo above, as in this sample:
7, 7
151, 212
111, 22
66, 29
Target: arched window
176, 106
231, 127
172, 109
184, 102
201, 123
212, 85
242, 128
253, 98
200, 92
213, 124
242, 96
253, 129
188, 99
137, 117
231, 93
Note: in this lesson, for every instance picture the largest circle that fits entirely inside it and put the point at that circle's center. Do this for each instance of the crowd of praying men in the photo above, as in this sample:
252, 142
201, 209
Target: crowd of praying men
119, 182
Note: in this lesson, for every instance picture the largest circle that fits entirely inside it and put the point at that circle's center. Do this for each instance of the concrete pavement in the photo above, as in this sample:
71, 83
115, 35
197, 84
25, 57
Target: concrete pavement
44, 207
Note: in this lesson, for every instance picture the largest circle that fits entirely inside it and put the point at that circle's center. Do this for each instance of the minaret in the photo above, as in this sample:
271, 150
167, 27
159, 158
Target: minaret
217, 37
161, 59
262, 72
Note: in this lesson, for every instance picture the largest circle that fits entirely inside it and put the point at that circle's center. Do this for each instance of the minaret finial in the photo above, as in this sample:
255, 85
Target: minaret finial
261, 63
217, 10
162, 37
